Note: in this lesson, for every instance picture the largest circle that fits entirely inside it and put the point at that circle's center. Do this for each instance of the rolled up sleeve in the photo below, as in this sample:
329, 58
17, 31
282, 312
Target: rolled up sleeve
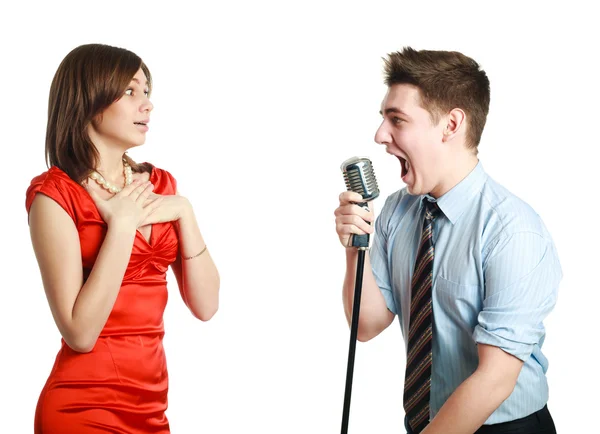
521, 274
379, 263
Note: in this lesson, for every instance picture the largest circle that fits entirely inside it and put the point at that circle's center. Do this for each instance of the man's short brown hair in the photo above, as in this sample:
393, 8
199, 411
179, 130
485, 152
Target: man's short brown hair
446, 80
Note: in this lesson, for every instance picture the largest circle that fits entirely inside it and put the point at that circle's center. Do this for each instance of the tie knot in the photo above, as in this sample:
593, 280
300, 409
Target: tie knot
431, 209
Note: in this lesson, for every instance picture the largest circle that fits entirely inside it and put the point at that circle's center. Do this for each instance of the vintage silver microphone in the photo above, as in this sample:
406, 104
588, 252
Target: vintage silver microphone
360, 178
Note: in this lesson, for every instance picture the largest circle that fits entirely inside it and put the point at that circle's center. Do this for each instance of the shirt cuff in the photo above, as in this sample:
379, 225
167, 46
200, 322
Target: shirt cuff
518, 349
389, 300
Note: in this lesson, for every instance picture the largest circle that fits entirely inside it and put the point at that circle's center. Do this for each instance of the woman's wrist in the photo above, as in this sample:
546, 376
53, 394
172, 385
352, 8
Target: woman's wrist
122, 227
186, 212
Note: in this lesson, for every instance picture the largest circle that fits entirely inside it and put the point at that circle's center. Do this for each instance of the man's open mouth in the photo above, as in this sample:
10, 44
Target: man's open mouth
405, 166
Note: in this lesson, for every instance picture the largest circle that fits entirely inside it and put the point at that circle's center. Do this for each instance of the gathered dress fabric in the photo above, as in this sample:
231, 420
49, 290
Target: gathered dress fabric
121, 385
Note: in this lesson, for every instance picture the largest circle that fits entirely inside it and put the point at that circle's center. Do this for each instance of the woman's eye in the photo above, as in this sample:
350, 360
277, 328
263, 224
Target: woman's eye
129, 92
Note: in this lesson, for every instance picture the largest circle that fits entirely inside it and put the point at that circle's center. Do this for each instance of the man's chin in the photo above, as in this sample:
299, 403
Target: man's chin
410, 189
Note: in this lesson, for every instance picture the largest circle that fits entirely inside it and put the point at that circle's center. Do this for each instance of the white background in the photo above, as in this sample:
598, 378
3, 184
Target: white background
256, 105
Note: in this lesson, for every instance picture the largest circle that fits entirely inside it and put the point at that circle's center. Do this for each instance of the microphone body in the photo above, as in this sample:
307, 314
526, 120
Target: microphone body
360, 178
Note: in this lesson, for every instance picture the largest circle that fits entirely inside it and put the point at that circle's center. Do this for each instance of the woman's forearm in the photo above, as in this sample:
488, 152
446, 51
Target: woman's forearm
200, 278
99, 293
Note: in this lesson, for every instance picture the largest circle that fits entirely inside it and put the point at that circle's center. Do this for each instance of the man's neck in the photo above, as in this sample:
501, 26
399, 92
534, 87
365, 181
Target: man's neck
460, 170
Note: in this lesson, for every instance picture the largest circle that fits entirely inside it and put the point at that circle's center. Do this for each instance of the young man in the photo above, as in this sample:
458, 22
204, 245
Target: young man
468, 267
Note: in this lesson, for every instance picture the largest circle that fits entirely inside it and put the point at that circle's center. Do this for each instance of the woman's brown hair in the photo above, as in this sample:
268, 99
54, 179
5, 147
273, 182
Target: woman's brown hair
88, 80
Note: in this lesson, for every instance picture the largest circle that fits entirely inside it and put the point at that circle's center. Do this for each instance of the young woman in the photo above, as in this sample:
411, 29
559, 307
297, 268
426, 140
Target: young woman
104, 230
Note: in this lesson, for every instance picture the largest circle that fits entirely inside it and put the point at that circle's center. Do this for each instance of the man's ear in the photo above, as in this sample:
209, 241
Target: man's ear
455, 122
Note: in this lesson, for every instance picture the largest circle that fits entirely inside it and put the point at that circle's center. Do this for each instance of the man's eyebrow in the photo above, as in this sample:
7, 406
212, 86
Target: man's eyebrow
393, 110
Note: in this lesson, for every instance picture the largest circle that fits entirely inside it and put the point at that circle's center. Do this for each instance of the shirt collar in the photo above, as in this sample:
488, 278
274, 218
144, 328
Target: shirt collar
454, 203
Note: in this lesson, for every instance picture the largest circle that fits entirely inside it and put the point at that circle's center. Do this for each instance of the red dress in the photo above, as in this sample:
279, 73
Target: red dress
121, 385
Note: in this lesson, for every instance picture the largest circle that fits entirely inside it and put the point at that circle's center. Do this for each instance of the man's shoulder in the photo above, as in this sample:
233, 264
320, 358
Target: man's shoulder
508, 211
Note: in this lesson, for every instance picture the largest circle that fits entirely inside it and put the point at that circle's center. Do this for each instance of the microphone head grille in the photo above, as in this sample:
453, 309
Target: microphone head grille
360, 177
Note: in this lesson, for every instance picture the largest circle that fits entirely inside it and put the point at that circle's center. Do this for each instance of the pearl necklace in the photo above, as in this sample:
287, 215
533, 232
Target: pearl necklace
107, 185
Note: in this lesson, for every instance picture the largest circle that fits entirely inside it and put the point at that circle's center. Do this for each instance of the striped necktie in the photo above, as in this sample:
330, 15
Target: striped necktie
417, 382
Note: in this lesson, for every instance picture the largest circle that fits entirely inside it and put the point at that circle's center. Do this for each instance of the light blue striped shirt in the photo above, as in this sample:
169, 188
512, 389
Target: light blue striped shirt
496, 275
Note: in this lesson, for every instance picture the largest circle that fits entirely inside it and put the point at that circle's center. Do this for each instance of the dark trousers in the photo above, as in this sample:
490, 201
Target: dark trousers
539, 422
